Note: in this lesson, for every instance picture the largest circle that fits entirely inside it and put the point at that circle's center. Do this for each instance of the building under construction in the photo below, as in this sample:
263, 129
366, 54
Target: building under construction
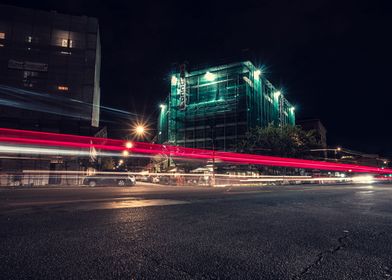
213, 108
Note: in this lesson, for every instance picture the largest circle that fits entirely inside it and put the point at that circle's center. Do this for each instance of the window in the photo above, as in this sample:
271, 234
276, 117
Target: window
66, 43
28, 78
2, 35
62, 88
28, 74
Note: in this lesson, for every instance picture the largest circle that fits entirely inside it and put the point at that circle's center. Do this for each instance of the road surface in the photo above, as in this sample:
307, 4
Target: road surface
156, 232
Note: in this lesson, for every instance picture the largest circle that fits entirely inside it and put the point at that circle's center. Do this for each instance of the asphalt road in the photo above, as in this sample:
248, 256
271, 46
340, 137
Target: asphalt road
152, 232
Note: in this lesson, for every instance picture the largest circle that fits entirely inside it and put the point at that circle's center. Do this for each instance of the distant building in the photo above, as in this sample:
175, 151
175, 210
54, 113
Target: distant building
339, 154
215, 107
49, 71
343, 155
317, 127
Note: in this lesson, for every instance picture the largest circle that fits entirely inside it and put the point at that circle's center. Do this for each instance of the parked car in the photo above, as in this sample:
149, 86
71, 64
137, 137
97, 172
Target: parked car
142, 178
109, 180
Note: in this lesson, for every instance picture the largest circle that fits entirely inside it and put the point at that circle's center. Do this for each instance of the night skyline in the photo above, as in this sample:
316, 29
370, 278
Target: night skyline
330, 59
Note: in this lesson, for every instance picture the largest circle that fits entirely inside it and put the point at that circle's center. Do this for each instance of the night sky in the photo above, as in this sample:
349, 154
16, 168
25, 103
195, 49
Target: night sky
332, 59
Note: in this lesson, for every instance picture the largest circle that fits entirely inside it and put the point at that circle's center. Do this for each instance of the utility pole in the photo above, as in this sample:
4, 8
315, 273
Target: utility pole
212, 126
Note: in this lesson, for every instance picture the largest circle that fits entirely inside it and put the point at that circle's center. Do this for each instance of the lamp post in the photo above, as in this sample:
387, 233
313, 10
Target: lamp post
337, 150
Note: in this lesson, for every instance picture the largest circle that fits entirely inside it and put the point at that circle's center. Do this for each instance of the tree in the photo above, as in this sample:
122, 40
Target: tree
284, 141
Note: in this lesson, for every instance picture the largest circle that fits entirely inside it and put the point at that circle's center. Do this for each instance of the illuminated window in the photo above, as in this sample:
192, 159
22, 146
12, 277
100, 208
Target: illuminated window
62, 88
66, 43
2, 35
29, 39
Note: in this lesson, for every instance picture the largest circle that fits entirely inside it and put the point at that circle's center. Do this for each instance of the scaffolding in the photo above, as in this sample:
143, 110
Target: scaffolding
214, 108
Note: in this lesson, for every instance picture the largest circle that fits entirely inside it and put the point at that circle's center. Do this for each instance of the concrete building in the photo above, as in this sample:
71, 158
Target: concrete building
213, 108
49, 71
49, 81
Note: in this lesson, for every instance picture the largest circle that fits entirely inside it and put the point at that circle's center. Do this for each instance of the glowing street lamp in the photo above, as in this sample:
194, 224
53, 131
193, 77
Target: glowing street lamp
140, 130
125, 153
277, 94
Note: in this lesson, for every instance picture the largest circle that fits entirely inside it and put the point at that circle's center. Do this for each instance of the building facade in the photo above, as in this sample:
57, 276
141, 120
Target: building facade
49, 70
214, 108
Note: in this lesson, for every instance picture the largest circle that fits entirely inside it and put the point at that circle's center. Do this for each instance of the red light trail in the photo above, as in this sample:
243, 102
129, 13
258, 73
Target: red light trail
24, 137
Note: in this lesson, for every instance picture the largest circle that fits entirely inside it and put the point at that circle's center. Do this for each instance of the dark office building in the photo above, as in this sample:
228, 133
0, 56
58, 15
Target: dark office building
49, 71
215, 107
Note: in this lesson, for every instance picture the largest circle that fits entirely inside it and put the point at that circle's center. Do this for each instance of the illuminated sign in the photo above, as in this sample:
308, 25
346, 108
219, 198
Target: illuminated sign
182, 88
27, 65
182, 93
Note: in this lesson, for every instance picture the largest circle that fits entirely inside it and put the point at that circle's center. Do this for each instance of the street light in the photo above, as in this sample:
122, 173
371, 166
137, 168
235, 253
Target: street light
140, 130
338, 149
129, 145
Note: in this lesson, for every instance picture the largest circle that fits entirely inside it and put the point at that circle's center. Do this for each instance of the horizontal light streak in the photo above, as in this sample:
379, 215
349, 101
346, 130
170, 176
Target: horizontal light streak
143, 173
83, 142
